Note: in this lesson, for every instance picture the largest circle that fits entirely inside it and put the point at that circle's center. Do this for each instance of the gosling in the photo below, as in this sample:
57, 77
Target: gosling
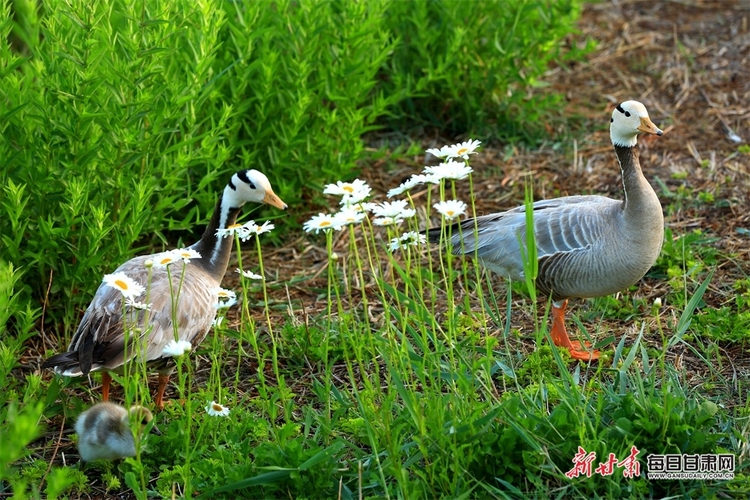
104, 431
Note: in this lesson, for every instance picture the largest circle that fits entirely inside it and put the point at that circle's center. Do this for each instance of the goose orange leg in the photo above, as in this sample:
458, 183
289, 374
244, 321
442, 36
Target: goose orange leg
163, 381
560, 335
106, 380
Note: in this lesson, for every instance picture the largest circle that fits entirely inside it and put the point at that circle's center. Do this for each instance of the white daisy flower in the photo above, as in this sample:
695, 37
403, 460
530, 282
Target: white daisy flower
431, 179
321, 222
352, 192
249, 274
131, 302
224, 298
251, 228
176, 348
410, 239
387, 221
186, 254
450, 209
216, 410
230, 231
395, 244
389, 208
164, 259
450, 170
461, 150
412, 182
348, 215
217, 321
246, 229
225, 304
348, 201
223, 293
127, 286
266, 227
397, 209
365, 206
439, 153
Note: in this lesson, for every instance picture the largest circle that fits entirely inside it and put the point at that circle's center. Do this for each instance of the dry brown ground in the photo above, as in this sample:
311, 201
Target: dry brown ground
688, 62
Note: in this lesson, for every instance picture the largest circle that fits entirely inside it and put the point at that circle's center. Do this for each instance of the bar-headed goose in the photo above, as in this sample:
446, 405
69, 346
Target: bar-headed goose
587, 246
104, 431
99, 343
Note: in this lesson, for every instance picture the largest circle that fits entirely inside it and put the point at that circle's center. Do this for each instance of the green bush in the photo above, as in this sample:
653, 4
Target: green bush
122, 120
476, 67
103, 139
302, 79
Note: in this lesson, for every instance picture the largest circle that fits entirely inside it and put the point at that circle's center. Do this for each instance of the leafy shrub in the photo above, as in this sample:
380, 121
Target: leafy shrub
102, 135
301, 77
476, 67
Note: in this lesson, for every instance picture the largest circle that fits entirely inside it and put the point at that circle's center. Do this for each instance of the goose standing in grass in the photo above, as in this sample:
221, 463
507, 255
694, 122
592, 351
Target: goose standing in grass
587, 246
195, 273
104, 431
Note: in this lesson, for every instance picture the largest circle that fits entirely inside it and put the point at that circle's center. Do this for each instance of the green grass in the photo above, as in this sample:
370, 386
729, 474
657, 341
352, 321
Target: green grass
436, 397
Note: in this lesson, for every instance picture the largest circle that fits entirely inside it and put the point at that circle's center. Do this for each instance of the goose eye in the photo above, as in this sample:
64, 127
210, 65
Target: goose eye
627, 113
144, 421
611, 120
244, 178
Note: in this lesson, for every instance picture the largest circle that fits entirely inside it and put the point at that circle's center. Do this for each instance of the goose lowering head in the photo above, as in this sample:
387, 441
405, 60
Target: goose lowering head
104, 431
587, 246
99, 344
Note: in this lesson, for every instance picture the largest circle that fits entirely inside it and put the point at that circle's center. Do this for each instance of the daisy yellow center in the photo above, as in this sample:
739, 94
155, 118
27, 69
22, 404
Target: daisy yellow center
348, 189
234, 226
217, 407
121, 284
449, 212
462, 151
325, 223
165, 260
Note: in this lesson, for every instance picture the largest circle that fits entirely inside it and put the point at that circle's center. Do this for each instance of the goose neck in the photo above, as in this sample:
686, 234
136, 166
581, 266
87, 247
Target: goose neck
639, 195
215, 250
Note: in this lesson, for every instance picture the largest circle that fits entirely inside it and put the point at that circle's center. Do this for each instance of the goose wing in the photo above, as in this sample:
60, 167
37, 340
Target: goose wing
569, 226
100, 341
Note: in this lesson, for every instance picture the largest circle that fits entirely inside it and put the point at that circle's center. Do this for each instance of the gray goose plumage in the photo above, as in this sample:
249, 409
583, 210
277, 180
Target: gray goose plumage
587, 246
99, 344
104, 431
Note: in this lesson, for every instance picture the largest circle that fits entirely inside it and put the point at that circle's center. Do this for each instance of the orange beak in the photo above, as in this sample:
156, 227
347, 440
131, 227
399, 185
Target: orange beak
648, 127
274, 201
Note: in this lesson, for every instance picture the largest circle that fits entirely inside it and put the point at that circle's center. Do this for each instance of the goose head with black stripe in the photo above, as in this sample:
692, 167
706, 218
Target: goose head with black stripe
587, 246
99, 344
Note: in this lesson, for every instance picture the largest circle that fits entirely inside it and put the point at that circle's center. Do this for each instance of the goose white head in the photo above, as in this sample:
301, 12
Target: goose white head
628, 120
104, 431
251, 186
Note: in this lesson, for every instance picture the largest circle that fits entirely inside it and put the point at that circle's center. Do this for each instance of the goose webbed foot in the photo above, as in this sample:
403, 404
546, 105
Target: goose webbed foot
106, 381
163, 381
560, 335
582, 352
